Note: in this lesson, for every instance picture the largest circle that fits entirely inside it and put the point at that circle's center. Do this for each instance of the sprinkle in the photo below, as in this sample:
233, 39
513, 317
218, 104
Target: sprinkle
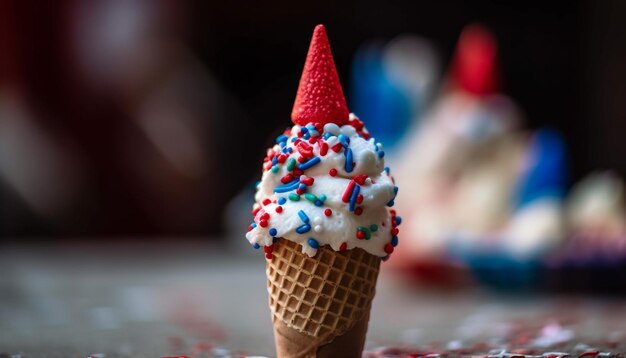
263, 223
387, 170
359, 199
297, 172
274, 160
390, 203
374, 227
395, 231
307, 181
282, 158
291, 163
281, 201
360, 235
256, 245
398, 220
344, 140
322, 197
281, 138
323, 148
294, 197
313, 161
337, 147
318, 203
287, 187
255, 210
275, 169
265, 216
303, 216
302, 187
302, 159
273, 232
303, 229
327, 135
313, 243
332, 172
266, 201
395, 190
318, 229
355, 192
310, 197
358, 211
394, 241
360, 179
279, 209
304, 130
349, 164
343, 246
381, 154
388, 248
268, 256
348, 192
328, 212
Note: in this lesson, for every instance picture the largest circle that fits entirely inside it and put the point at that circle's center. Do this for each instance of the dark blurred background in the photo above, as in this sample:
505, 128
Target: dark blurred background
145, 118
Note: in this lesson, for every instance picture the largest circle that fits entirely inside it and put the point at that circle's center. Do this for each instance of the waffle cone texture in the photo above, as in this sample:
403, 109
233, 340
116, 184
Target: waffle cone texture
320, 305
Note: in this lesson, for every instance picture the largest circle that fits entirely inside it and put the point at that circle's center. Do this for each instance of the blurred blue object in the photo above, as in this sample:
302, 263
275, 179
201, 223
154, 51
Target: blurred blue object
375, 99
545, 172
505, 273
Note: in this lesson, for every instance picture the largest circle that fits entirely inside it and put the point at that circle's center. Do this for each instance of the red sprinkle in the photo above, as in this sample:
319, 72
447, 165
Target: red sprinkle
268, 249
328, 212
343, 246
265, 216
323, 148
312, 140
250, 227
255, 210
287, 178
395, 231
388, 248
281, 158
268, 256
346, 194
302, 159
332, 172
263, 223
359, 199
337, 147
305, 149
267, 201
360, 179
307, 181
297, 172
299, 191
358, 211
279, 209
360, 235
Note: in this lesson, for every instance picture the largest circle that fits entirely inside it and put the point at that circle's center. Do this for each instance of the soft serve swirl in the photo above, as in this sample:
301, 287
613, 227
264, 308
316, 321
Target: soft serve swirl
326, 186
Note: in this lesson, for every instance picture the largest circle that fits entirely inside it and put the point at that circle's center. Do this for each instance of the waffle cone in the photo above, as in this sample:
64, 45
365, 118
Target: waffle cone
320, 305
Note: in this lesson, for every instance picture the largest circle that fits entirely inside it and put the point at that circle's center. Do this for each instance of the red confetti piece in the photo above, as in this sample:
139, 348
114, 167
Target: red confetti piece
395, 231
360, 179
263, 223
279, 209
266, 202
328, 212
332, 172
337, 147
307, 181
360, 235
323, 148
389, 248
287, 178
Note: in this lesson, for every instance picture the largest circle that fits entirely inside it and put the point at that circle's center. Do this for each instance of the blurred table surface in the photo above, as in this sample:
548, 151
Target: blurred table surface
167, 297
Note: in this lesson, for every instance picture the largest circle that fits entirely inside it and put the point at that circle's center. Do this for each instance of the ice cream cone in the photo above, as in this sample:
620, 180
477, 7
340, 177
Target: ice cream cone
320, 305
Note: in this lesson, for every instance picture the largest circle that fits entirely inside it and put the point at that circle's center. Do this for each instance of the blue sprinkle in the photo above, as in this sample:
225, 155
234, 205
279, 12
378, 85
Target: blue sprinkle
302, 186
281, 138
256, 245
394, 241
253, 225
355, 193
381, 154
293, 185
395, 190
274, 160
318, 203
311, 162
327, 135
303, 216
281, 201
348, 165
391, 203
304, 130
398, 220
322, 197
345, 141
306, 136
387, 170
294, 139
289, 150
313, 243
303, 229
273, 232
